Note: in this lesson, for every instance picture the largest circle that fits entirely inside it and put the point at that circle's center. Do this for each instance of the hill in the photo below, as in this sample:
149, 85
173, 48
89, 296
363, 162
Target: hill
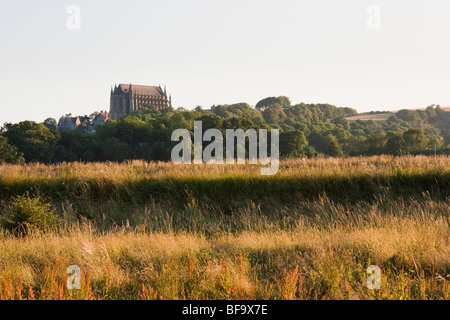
383, 116
306, 131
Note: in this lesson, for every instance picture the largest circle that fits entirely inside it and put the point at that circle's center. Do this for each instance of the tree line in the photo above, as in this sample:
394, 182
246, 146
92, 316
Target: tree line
306, 130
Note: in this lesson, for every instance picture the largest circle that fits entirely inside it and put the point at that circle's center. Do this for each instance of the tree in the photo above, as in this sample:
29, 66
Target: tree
415, 140
132, 131
146, 113
292, 143
274, 114
35, 141
342, 121
75, 145
265, 103
318, 141
284, 101
299, 112
9, 153
281, 101
408, 115
237, 109
431, 112
211, 122
355, 145
350, 112
435, 142
334, 148
51, 123
115, 150
376, 143
395, 144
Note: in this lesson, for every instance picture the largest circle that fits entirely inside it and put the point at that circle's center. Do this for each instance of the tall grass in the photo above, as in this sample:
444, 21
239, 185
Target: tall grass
237, 235
138, 181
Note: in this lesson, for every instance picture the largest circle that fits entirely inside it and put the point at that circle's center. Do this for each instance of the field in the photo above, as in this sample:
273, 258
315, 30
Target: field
143, 230
383, 116
373, 117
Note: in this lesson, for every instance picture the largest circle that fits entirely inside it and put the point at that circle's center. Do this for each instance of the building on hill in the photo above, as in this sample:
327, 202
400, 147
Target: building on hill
127, 98
68, 122
85, 124
100, 119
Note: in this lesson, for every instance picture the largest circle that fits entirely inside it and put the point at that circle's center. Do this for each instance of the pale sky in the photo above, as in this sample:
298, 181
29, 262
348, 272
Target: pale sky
221, 52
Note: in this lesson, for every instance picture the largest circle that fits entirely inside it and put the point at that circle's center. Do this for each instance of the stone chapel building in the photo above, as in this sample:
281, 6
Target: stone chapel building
127, 98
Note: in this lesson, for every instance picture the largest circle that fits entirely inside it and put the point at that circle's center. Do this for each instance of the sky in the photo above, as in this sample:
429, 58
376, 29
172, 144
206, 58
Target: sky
368, 55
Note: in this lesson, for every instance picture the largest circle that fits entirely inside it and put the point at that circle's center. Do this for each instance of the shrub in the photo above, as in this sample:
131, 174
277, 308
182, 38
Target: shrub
27, 213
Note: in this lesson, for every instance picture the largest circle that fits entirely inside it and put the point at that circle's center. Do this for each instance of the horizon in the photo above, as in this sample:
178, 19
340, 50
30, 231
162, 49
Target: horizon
365, 55
74, 114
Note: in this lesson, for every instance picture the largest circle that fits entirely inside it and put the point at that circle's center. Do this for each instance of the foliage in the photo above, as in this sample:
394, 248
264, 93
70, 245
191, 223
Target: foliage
306, 130
27, 213
35, 141
292, 144
9, 153
51, 123
281, 101
231, 236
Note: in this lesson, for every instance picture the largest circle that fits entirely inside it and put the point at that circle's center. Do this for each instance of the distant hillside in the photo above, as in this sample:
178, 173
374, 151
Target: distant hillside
383, 116
374, 117
305, 130
444, 108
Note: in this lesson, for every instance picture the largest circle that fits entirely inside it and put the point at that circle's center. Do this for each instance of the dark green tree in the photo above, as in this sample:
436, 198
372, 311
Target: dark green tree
415, 140
395, 144
281, 101
9, 153
274, 114
292, 144
375, 143
115, 150
35, 141
334, 148
51, 123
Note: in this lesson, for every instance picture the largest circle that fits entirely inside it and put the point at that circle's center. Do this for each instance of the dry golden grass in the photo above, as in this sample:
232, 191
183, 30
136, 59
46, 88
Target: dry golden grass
328, 258
310, 248
136, 169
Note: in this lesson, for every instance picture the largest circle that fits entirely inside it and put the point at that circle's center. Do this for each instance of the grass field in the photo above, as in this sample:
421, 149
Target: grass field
159, 231
383, 116
373, 117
